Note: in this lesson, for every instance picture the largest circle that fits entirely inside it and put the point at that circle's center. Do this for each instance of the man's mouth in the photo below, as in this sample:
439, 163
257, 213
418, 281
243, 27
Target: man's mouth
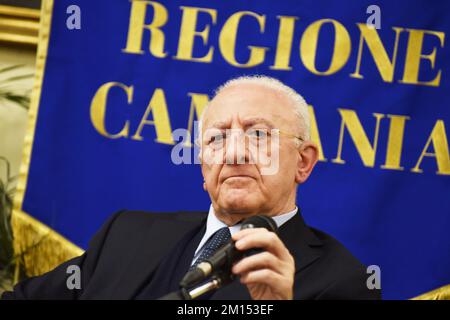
239, 176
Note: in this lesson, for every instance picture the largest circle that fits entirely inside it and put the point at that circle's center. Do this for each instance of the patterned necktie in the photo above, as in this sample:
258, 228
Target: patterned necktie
217, 240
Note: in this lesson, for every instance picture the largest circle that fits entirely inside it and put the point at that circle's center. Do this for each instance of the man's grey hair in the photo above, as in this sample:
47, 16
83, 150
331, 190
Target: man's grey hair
299, 105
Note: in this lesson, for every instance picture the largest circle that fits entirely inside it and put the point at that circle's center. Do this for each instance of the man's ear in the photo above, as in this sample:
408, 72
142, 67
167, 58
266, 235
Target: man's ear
308, 156
204, 186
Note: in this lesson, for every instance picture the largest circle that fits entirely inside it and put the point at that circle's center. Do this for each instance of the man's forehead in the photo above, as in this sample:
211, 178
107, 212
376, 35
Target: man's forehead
250, 92
244, 121
248, 103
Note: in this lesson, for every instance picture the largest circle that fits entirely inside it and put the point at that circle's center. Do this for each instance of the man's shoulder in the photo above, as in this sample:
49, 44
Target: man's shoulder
336, 252
130, 225
337, 273
141, 218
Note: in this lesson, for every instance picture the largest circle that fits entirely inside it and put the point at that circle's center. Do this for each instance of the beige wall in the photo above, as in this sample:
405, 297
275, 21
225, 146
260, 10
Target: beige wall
13, 118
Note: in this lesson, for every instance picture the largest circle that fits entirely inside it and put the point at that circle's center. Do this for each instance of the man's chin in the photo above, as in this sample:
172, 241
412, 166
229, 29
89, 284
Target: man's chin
239, 202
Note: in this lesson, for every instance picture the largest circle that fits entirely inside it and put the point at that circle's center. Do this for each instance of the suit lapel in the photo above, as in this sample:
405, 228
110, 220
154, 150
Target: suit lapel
164, 235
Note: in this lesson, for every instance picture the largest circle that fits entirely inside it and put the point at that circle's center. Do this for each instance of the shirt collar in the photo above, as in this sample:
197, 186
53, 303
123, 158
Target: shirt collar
213, 224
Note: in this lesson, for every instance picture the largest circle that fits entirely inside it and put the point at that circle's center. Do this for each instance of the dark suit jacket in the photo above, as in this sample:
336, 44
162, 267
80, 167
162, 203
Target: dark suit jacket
130, 245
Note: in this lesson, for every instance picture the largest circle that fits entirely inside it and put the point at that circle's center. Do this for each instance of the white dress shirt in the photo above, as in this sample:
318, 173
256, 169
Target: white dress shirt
213, 224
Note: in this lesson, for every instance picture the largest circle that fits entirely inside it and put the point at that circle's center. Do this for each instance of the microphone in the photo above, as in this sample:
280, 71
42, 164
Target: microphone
223, 259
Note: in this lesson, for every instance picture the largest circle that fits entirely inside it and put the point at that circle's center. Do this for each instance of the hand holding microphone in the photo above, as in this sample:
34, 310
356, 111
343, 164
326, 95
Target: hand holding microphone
268, 275
223, 259
265, 265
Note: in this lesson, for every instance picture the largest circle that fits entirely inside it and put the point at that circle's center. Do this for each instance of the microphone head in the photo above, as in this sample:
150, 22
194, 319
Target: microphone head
260, 222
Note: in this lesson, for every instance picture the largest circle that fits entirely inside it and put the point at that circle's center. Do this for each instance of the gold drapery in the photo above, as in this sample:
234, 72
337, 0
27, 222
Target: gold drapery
442, 293
40, 247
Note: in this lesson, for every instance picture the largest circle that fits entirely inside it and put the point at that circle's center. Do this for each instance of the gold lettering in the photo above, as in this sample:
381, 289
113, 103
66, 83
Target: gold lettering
440, 145
414, 56
284, 44
188, 33
227, 40
365, 150
158, 107
308, 47
137, 26
395, 142
384, 65
98, 109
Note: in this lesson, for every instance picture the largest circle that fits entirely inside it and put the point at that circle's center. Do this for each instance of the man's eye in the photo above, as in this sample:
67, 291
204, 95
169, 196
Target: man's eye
258, 133
218, 138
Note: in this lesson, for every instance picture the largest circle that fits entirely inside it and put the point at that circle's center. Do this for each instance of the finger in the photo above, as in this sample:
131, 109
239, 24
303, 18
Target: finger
268, 277
265, 240
243, 233
264, 260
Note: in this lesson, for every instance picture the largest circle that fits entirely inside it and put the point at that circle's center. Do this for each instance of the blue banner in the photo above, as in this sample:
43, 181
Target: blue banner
121, 76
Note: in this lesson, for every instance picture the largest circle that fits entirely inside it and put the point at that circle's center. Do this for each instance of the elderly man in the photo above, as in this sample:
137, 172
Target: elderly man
255, 150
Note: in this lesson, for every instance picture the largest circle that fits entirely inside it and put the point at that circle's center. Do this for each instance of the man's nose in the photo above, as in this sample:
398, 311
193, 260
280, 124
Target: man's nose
236, 148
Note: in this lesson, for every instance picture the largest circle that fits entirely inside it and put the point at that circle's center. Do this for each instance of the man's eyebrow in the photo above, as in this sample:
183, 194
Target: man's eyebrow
219, 125
246, 123
252, 121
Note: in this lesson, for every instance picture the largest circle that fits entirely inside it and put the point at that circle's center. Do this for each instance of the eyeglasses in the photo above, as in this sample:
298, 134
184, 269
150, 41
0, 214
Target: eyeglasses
290, 135
217, 138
